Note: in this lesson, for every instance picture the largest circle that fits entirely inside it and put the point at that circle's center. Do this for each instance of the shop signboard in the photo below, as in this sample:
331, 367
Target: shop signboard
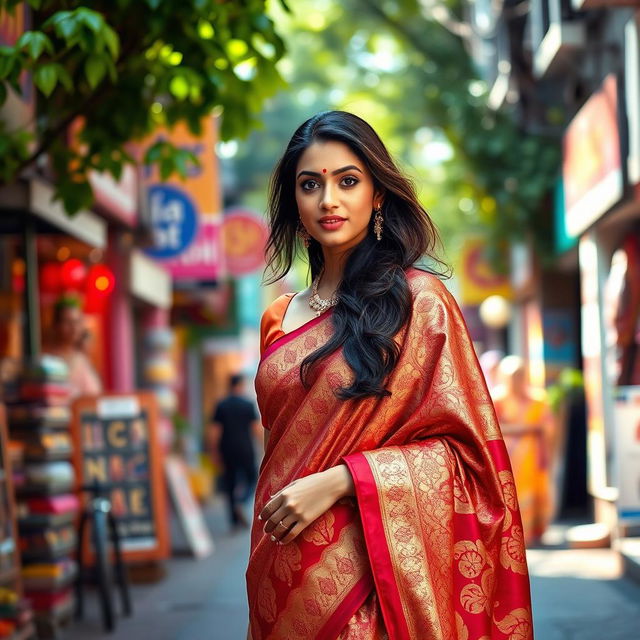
562, 239
187, 509
627, 452
592, 163
174, 220
116, 446
244, 237
478, 279
117, 198
185, 213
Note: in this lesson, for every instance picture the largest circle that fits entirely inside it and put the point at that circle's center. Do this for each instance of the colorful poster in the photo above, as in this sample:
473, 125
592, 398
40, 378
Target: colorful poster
560, 346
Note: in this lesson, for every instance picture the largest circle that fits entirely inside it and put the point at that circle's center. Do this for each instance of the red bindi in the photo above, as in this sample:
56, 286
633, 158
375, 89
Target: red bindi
324, 171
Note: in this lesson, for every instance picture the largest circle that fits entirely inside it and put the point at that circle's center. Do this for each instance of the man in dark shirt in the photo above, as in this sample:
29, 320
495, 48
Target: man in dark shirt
233, 422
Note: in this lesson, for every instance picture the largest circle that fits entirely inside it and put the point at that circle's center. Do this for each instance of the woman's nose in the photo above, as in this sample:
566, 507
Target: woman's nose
328, 199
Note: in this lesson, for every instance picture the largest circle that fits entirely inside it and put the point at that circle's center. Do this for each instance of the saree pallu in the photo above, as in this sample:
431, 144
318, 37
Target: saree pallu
431, 547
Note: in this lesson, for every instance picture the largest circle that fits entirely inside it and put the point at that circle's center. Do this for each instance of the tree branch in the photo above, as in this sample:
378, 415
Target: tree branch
434, 10
50, 135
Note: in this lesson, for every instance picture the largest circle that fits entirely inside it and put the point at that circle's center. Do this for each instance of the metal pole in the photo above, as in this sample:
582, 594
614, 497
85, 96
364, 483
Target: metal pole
31, 299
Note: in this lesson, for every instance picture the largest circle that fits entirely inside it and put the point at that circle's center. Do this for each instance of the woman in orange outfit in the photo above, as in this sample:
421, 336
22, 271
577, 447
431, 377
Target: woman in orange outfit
525, 422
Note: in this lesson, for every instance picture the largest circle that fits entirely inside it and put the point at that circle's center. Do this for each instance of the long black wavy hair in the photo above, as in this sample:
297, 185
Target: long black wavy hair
374, 299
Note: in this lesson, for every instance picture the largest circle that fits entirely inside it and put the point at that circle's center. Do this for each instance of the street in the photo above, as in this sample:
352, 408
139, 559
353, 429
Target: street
577, 595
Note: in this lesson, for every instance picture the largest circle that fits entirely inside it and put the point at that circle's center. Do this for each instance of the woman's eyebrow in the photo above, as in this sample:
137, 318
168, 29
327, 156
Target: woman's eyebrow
333, 173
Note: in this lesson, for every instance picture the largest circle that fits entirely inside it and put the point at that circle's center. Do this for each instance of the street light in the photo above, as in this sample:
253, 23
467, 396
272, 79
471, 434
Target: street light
495, 313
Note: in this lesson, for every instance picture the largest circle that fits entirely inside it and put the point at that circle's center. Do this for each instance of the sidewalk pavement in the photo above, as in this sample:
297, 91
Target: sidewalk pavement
577, 595
199, 599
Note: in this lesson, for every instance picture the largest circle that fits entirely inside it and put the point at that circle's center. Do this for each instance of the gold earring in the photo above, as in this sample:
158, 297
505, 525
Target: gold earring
303, 234
377, 223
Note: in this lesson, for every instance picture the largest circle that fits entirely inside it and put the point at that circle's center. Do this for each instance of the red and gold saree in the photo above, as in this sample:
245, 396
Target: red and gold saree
431, 548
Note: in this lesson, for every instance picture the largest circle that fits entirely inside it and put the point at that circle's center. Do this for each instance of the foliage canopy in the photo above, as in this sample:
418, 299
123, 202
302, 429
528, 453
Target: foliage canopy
125, 67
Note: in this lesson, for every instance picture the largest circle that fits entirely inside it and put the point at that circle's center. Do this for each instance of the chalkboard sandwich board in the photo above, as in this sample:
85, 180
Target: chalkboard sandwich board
116, 446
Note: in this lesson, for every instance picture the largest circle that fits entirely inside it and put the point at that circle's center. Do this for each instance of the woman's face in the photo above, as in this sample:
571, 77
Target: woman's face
70, 326
335, 194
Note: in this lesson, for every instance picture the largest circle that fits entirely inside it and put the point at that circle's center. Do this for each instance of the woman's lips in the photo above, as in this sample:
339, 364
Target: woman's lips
332, 223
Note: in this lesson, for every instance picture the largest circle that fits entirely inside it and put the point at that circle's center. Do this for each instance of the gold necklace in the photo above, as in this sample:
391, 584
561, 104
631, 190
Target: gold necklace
318, 304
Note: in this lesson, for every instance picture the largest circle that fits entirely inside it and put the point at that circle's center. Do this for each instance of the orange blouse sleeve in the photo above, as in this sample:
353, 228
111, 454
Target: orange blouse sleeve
271, 322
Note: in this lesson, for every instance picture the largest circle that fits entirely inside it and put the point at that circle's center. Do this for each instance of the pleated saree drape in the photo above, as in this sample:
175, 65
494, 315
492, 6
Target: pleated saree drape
431, 547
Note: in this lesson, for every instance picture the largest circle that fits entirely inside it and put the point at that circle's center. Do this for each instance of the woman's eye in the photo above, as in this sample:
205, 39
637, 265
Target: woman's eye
353, 181
306, 184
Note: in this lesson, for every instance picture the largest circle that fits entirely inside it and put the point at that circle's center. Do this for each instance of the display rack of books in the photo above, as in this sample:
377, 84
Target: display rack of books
16, 617
38, 412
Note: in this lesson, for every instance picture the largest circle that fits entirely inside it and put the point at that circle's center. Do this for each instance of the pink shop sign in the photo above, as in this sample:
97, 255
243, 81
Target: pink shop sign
202, 260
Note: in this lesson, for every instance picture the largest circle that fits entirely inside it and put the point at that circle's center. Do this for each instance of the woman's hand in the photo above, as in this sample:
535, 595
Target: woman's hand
296, 506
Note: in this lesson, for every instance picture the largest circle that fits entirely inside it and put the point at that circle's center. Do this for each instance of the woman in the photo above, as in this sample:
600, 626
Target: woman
69, 343
525, 422
385, 506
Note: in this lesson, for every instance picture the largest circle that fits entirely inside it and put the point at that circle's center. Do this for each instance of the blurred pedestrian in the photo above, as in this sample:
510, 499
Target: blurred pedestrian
67, 341
385, 486
489, 362
233, 423
525, 421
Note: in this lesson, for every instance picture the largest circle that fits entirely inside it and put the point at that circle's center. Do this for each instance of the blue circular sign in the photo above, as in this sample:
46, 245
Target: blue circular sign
174, 221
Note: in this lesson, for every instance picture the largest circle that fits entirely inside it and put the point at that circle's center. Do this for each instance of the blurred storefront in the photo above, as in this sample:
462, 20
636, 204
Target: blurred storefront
211, 256
583, 58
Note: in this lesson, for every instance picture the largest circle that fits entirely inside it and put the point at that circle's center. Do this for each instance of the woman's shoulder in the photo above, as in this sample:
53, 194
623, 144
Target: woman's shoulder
425, 284
276, 309
271, 321
279, 302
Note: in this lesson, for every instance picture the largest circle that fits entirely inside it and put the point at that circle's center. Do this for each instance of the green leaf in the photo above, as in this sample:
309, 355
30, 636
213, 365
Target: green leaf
91, 19
167, 167
286, 7
35, 42
8, 61
179, 87
74, 195
153, 153
46, 77
94, 69
66, 24
3, 93
64, 77
112, 41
